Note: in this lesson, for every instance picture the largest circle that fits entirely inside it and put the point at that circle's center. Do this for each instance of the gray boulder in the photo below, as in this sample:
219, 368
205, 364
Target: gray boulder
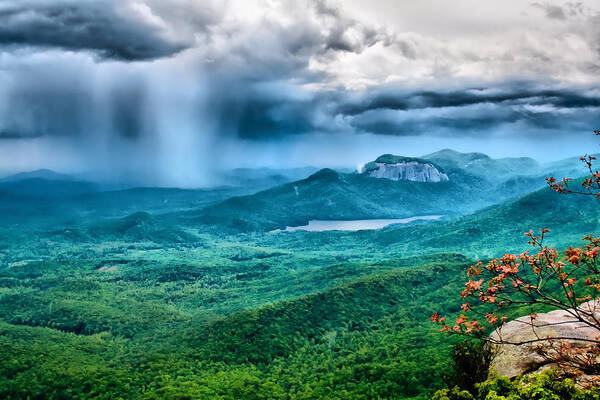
512, 360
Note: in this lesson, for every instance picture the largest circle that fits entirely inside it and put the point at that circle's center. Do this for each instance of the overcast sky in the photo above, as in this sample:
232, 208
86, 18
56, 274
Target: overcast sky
167, 91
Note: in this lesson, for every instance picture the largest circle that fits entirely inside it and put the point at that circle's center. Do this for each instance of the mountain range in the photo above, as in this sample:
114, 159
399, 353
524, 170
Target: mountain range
442, 183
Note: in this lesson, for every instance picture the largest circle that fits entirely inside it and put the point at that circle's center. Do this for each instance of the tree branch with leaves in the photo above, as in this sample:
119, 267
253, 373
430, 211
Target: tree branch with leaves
542, 278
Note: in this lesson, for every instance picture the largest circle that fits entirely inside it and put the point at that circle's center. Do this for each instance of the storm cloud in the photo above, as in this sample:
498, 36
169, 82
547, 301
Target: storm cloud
170, 87
125, 30
474, 110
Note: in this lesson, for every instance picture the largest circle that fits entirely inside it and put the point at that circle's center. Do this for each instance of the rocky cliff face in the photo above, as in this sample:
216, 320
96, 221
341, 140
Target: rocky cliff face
512, 360
416, 171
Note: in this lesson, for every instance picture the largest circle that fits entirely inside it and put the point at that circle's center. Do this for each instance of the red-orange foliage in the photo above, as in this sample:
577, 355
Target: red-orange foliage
541, 277
590, 185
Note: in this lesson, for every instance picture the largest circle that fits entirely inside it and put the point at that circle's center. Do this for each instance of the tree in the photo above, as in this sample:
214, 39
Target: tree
590, 185
470, 363
544, 277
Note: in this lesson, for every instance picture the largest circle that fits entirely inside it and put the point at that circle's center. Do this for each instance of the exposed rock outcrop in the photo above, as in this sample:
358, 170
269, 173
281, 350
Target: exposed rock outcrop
398, 168
513, 360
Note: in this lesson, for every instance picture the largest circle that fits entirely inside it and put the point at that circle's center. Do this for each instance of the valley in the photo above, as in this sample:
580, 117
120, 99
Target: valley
169, 293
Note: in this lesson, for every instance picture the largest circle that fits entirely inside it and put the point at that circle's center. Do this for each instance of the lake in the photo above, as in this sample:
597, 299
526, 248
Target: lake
317, 225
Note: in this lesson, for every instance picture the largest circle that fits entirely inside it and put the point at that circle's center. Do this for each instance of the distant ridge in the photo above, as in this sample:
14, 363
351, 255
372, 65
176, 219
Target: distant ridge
449, 153
45, 174
483, 165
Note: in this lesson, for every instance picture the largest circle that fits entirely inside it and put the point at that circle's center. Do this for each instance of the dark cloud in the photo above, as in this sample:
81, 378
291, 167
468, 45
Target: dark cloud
264, 115
552, 11
59, 102
111, 29
564, 11
246, 100
476, 121
127, 110
508, 95
251, 109
44, 106
5, 134
473, 110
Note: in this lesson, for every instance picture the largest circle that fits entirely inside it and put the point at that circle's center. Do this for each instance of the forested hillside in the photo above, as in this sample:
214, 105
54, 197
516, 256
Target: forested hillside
100, 302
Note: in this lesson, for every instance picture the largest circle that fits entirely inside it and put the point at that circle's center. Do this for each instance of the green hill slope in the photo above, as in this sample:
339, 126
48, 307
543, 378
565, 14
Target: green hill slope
355, 340
501, 227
